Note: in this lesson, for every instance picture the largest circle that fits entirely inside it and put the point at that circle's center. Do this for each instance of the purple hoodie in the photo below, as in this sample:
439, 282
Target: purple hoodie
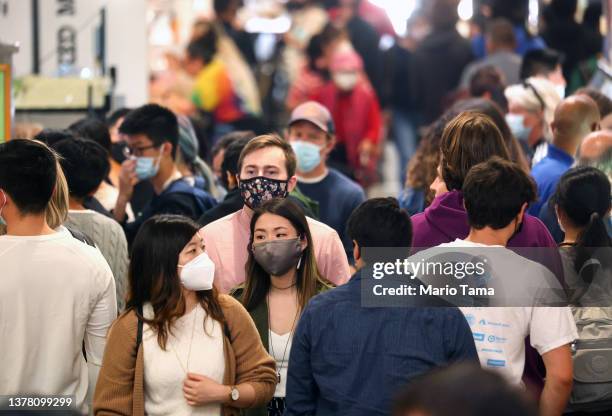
445, 220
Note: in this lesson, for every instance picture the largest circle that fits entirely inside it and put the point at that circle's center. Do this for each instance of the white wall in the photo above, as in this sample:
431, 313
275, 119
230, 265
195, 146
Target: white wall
126, 41
126, 38
16, 27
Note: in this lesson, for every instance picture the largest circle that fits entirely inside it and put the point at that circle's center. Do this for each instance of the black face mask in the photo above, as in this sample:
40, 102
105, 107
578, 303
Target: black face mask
118, 151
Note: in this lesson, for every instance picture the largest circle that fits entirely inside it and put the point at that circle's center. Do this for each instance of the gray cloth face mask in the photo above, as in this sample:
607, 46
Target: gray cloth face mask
277, 257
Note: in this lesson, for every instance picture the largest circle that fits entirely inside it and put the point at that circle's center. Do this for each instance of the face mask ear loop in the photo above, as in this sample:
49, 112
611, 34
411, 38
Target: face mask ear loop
4, 202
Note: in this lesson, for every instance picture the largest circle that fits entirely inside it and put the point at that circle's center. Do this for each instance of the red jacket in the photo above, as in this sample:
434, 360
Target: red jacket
357, 117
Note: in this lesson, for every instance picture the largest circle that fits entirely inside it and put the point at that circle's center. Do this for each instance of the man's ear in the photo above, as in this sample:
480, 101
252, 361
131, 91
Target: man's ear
521, 214
330, 144
292, 183
167, 148
232, 180
356, 251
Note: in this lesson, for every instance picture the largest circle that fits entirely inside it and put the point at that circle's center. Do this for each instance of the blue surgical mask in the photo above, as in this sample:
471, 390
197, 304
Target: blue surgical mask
560, 90
147, 167
516, 122
308, 155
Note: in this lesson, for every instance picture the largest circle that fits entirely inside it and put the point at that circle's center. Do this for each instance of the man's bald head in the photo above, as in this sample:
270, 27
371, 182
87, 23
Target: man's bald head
595, 145
575, 117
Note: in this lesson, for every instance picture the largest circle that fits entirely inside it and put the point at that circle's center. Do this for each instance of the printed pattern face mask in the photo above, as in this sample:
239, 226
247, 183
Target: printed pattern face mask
256, 191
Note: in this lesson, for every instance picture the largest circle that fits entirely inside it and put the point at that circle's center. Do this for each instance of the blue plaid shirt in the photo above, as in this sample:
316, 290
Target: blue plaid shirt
350, 360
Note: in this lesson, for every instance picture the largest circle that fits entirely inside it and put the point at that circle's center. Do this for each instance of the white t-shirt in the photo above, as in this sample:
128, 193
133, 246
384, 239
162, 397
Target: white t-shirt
165, 370
55, 293
500, 332
279, 347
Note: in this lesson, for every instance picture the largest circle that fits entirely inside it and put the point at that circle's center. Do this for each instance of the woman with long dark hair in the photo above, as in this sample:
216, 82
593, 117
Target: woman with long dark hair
180, 348
282, 276
582, 203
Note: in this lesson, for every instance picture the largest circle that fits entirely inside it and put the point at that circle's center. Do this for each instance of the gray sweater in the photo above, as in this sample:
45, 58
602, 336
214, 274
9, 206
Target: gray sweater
110, 239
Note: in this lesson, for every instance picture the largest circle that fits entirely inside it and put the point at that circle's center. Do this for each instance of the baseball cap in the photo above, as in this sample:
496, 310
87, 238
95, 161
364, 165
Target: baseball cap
315, 113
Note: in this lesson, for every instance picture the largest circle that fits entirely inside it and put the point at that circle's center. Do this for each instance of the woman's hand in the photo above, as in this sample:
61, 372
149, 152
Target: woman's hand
200, 390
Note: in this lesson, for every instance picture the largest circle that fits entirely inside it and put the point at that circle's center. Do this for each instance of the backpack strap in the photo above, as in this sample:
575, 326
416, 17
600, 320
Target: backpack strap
203, 199
82, 237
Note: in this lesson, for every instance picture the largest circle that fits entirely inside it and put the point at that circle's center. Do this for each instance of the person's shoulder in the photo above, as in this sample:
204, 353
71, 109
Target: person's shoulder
418, 219
220, 224
541, 167
535, 225
317, 228
81, 251
345, 183
106, 222
126, 325
232, 308
328, 296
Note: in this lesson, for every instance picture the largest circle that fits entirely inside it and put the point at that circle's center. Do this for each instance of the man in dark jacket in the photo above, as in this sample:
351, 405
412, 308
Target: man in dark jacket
152, 137
439, 60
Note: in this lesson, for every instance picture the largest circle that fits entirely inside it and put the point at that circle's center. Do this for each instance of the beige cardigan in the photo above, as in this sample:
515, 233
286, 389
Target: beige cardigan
120, 388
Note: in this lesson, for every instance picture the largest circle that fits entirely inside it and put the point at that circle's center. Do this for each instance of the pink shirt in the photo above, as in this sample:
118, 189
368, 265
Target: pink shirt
227, 239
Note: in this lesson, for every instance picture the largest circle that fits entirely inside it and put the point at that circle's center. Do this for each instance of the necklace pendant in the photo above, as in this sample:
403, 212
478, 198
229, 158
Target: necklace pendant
278, 377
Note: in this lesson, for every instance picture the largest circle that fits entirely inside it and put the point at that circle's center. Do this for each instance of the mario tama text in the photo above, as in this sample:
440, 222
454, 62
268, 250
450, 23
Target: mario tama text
458, 276
418, 269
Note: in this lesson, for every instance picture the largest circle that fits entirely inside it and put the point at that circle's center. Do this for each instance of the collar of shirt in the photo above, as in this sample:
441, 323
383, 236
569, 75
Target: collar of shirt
557, 154
175, 176
315, 179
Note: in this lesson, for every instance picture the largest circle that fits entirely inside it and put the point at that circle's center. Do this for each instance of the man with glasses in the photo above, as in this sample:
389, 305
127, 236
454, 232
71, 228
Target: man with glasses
152, 136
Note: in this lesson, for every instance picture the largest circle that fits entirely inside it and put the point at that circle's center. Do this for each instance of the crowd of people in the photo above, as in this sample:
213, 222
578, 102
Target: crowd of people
190, 257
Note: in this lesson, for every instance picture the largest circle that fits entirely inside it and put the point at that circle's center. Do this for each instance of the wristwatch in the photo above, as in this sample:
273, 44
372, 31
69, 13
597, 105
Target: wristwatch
234, 394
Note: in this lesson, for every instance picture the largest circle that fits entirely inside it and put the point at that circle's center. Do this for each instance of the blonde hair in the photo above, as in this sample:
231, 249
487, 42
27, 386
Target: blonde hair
546, 100
57, 210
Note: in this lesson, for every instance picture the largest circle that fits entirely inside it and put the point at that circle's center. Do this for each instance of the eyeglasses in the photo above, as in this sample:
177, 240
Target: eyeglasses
136, 151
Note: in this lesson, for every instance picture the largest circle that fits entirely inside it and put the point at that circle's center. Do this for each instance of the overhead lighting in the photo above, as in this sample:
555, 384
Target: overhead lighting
398, 12
466, 9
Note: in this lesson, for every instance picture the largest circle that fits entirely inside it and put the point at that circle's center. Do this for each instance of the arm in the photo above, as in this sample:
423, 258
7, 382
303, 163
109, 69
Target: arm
551, 330
558, 383
368, 146
115, 386
255, 369
458, 339
302, 390
100, 319
373, 133
127, 180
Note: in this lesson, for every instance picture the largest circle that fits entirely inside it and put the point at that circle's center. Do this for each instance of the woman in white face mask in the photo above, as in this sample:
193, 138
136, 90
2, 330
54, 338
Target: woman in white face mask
180, 348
